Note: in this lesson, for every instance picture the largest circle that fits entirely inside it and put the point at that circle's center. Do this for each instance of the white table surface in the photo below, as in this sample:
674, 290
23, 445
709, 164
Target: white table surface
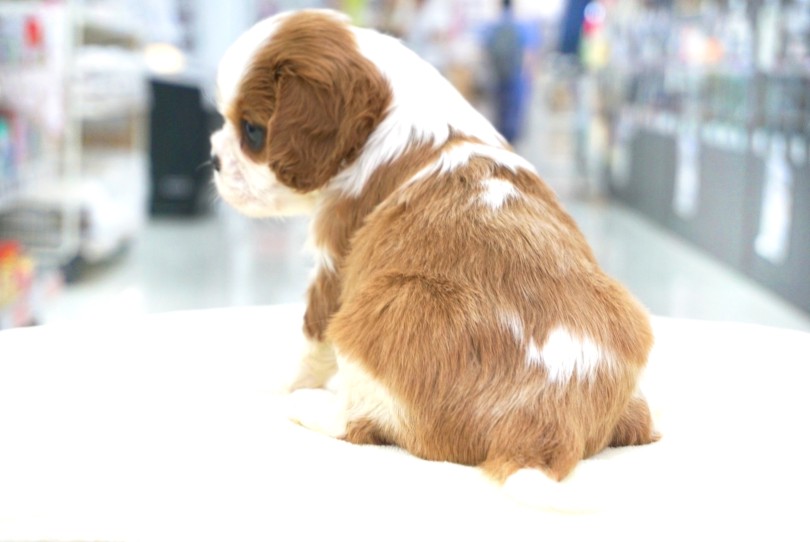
169, 427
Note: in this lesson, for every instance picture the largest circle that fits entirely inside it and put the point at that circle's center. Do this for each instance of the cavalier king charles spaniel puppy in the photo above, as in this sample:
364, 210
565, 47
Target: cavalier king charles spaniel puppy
462, 309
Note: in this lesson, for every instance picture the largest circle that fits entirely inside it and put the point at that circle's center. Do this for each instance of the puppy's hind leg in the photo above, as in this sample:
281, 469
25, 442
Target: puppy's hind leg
365, 431
635, 426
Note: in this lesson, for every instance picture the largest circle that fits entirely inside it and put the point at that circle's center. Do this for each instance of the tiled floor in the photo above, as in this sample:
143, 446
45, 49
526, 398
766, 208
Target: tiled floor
225, 260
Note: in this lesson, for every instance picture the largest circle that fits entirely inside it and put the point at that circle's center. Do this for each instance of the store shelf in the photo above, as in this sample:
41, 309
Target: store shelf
77, 187
710, 137
108, 108
106, 23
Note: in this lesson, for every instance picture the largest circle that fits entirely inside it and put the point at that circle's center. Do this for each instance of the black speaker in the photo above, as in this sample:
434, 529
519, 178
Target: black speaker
179, 149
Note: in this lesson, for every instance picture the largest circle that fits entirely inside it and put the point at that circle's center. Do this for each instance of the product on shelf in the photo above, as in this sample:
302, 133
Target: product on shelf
16, 283
22, 38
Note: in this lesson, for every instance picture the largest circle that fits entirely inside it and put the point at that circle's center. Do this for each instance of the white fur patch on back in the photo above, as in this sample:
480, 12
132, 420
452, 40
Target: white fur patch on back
565, 356
425, 108
460, 155
496, 192
533, 355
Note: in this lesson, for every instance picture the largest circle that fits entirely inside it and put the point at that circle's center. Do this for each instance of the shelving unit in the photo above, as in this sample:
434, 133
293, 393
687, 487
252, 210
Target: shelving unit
710, 125
107, 127
33, 49
73, 103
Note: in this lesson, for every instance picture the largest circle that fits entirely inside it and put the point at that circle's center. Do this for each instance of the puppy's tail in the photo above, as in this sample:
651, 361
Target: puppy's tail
534, 488
612, 482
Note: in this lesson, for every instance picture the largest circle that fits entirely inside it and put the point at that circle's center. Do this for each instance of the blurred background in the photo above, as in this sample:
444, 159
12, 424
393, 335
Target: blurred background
676, 132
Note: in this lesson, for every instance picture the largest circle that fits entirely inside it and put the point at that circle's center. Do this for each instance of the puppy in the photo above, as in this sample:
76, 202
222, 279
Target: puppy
464, 310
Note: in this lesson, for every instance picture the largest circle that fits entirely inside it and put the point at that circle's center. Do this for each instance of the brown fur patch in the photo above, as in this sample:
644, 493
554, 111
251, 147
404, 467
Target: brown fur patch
317, 96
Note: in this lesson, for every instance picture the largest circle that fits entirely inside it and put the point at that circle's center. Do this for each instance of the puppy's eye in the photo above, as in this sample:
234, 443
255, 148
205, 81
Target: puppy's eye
254, 135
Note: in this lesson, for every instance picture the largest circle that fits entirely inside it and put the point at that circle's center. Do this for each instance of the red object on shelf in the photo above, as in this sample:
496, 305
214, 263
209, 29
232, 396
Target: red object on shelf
9, 249
34, 35
16, 285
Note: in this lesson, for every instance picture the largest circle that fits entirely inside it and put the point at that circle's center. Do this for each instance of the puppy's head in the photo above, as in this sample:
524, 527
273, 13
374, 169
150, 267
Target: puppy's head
299, 102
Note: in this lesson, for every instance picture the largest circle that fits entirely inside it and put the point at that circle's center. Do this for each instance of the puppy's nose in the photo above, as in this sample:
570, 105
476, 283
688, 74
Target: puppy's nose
216, 163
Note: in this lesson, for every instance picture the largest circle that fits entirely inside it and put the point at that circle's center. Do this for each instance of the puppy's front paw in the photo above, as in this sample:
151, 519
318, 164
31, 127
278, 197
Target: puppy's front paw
317, 367
318, 410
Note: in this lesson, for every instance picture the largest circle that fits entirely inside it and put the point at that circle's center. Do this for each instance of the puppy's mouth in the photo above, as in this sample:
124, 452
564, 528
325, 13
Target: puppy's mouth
231, 182
234, 187
230, 174
228, 177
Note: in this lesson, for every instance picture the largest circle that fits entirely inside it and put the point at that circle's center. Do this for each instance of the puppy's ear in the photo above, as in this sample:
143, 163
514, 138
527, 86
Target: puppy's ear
320, 124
